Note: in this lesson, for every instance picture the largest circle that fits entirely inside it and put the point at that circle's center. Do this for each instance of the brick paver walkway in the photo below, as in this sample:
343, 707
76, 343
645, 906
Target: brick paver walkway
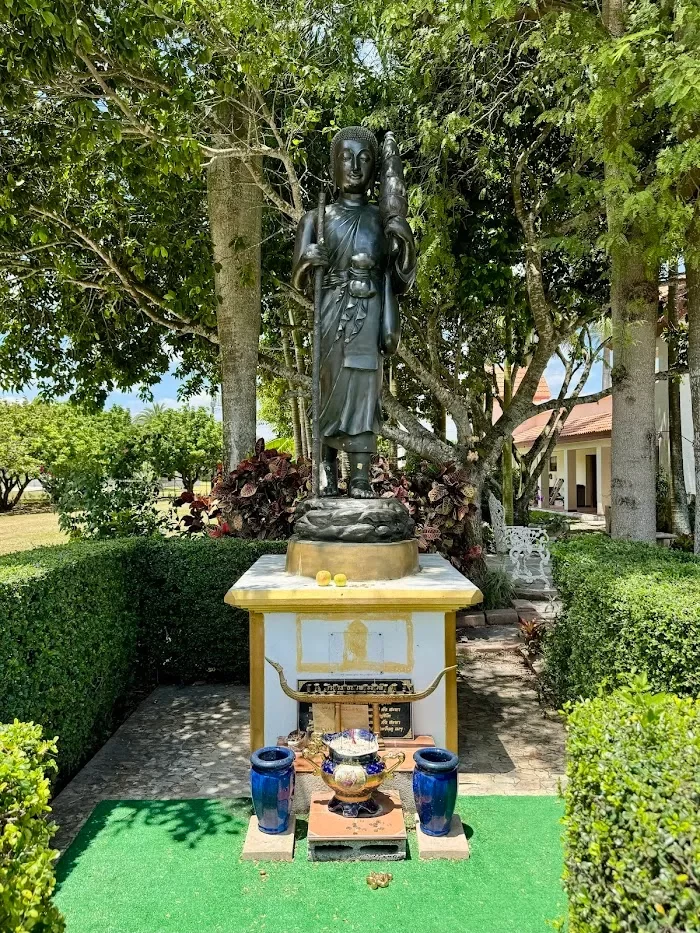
507, 743
186, 742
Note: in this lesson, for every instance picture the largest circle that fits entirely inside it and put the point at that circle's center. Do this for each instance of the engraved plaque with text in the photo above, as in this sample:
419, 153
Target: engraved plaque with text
395, 717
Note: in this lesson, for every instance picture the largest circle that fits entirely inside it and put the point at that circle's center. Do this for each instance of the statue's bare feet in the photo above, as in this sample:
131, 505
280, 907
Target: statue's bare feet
329, 469
360, 490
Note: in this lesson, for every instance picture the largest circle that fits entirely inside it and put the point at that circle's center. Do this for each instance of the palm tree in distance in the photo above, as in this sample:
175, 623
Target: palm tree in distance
150, 412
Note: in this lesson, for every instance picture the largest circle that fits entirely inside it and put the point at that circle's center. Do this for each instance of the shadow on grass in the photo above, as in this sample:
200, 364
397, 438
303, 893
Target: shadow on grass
188, 822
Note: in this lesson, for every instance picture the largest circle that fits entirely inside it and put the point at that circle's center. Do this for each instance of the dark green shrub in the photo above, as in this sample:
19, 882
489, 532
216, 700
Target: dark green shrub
192, 634
498, 590
88, 627
684, 543
98, 507
626, 607
632, 802
555, 525
26, 862
68, 641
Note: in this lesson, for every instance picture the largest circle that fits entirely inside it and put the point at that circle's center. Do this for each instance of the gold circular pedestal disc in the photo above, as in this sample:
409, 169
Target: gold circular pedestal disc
359, 562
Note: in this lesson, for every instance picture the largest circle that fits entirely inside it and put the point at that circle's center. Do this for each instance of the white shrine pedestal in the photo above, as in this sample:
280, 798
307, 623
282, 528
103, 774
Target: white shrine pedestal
378, 630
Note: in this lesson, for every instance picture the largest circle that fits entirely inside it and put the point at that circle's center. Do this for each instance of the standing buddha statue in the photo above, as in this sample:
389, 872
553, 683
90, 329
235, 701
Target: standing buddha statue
369, 258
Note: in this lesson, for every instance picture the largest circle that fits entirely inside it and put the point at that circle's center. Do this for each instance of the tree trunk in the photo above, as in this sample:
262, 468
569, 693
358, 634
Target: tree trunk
521, 502
8, 484
306, 422
634, 299
235, 217
692, 271
440, 421
507, 456
475, 560
680, 520
5, 504
528, 487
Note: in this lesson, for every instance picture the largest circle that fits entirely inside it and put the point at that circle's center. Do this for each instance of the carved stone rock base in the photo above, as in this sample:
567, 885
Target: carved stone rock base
362, 521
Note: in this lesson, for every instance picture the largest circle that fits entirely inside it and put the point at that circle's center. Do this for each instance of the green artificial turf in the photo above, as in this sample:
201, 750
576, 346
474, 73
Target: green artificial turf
173, 867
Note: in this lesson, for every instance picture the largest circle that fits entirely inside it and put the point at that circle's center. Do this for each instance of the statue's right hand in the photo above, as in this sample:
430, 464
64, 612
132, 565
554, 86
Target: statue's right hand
317, 256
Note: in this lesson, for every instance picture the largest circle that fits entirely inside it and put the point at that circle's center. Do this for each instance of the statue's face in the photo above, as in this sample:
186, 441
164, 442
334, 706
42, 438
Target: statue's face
354, 167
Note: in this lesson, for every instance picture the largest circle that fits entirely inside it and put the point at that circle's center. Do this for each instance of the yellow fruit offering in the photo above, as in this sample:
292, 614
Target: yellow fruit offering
340, 579
323, 577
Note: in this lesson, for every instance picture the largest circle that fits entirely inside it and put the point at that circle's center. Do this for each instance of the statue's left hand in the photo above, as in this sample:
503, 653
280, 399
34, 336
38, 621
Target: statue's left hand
398, 227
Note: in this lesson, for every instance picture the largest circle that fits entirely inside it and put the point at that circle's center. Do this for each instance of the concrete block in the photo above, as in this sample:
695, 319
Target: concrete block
332, 837
264, 847
454, 845
501, 617
470, 619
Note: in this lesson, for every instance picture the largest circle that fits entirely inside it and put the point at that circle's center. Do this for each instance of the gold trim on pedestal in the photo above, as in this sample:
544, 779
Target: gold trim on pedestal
388, 561
257, 680
267, 587
451, 731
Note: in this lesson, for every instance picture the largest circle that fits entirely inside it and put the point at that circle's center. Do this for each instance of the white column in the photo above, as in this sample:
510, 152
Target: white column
599, 479
544, 500
570, 485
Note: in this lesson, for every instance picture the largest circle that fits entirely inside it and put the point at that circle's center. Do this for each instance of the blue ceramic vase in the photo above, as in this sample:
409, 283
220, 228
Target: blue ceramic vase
435, 789
272, 787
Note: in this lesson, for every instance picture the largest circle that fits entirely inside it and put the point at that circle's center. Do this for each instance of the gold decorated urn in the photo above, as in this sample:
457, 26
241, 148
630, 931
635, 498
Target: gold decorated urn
353, 769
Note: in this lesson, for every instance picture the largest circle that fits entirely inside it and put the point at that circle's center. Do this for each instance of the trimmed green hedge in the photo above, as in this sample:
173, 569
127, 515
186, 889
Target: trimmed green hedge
68, 641
192, 633
626, 607
26, 862
632, 802
87, 626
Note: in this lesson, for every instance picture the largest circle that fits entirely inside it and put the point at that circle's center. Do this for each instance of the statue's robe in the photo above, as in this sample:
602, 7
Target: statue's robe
355, 332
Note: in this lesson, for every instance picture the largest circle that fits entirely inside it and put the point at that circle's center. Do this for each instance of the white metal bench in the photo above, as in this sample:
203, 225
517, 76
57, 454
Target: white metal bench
524, 550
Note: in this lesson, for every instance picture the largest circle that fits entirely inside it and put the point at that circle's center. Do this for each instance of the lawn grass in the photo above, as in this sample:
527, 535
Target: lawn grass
22, 530
174, 867
34, 524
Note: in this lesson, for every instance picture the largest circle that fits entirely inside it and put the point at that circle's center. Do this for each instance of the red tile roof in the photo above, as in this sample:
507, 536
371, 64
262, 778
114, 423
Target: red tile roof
590, 419
542, 392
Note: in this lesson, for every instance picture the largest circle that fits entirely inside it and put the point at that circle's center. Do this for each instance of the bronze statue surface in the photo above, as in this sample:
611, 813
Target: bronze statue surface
369, 258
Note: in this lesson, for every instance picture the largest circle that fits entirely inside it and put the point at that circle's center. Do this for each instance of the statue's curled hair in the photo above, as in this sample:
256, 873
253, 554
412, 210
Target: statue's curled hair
361, 134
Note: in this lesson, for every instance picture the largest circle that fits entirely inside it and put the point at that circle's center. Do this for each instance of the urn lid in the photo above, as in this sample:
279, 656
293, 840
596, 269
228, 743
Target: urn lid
353, 743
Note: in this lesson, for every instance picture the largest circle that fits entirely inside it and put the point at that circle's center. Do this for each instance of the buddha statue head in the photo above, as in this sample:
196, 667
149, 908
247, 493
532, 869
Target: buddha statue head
354, 153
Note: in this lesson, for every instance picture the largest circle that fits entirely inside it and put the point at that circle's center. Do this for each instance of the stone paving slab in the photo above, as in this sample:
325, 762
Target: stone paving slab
491, 638
192, 742
507, 744
180, 743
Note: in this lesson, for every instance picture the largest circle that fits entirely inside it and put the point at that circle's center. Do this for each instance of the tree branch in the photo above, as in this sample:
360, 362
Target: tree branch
440, 389
533, 255
146, 300
283, 154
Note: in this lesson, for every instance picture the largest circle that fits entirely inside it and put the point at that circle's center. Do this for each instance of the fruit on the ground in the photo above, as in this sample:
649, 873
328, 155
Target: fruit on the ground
323, 577
340, 579
379, 879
